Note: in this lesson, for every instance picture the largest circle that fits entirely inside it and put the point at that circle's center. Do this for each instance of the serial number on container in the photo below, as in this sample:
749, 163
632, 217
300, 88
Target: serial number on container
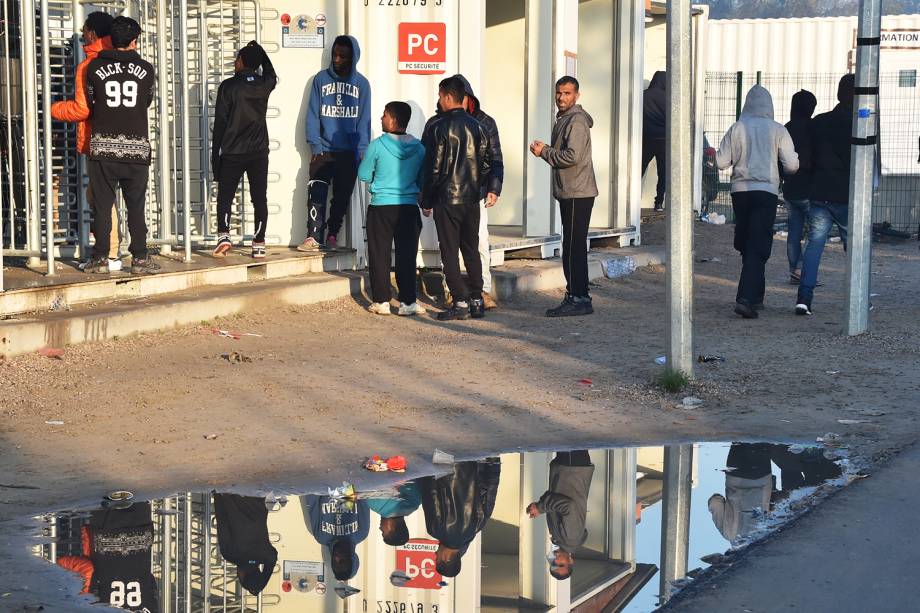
394, 606
398, 3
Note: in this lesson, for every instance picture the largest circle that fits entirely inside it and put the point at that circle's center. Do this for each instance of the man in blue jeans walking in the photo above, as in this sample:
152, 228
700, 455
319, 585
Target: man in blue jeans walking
797, 187
830, 191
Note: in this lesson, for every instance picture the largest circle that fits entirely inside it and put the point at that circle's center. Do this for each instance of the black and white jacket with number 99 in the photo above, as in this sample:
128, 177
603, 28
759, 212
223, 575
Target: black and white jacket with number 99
120, 89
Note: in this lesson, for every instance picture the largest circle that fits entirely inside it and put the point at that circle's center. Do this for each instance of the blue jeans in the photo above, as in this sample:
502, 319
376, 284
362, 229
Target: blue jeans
821, 215
798, 209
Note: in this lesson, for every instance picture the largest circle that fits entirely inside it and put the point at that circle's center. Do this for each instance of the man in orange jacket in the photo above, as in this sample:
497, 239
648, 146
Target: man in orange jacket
96, 38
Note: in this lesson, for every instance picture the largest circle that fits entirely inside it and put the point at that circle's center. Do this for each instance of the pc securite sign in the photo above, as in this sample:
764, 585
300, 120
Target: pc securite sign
422, 48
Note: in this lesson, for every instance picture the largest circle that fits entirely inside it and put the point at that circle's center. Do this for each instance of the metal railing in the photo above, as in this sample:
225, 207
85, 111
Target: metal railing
898, 192
43, 209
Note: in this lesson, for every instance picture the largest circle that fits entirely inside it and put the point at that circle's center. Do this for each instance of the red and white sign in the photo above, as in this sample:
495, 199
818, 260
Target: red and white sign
422, 48
417, 559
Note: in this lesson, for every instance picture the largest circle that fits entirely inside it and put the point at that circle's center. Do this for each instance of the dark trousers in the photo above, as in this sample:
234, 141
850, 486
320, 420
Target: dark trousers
655, 148
229, 173
576, 217
385, 225
755, 213
458, 230
106, 177
339, 171
578, 457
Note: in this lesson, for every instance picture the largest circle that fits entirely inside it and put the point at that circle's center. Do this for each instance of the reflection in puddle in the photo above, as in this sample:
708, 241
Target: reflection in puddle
569, 531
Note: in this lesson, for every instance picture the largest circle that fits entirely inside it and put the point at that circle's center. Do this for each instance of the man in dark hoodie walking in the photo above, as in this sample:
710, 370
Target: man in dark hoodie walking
239, 143
458, 159
830, 188
575, 188
338, 132
490, 190
654, 131
566, 506
797, 187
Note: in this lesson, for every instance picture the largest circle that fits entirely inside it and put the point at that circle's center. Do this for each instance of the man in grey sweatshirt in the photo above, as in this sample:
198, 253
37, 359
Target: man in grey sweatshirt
566, 506
751, 146
575, 188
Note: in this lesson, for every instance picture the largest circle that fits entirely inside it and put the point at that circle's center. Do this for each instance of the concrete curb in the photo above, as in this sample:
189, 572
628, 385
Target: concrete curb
113, 319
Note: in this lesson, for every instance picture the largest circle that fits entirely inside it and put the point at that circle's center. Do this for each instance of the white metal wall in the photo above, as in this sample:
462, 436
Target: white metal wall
792, 45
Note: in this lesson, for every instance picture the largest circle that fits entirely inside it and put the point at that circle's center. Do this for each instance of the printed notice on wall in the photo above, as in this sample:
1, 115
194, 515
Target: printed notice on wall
303, 31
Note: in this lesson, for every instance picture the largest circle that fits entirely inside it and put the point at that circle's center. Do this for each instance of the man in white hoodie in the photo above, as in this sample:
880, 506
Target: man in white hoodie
751, 146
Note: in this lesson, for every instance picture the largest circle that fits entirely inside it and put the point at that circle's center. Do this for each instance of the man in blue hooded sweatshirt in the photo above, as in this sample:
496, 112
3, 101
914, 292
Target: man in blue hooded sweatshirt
339, 525
393, 170
338, 132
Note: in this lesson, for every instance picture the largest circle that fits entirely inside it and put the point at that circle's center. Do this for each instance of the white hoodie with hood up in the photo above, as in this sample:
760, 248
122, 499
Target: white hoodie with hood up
754, 143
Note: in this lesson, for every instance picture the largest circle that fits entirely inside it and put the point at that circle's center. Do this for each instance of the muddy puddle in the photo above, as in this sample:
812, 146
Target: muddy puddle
619, 529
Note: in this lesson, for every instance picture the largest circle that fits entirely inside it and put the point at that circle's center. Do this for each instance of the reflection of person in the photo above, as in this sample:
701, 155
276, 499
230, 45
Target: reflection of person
748, 486
338, 132
807, 468
339, 525
751, 146
654, 131
242, 533
240, 142
393, 513
457, 507
566, 506
575, 187
115, 561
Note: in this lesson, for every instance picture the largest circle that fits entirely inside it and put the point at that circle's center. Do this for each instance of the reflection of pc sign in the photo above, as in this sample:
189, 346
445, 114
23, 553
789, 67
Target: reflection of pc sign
417, 559
422, 48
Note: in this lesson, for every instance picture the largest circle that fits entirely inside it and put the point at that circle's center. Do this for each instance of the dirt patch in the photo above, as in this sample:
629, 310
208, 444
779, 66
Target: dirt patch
324, 386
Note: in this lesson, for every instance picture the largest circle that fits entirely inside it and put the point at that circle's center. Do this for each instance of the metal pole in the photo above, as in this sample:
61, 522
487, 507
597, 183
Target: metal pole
8, 99
164, 144
739, 92
862, 166
680, 189
166, 565
675, 516
186, 129
206, 556
46, 126
30, 128
187, 529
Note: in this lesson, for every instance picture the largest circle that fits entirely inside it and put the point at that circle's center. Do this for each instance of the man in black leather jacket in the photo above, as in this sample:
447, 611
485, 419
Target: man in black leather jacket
458, 161
239, 143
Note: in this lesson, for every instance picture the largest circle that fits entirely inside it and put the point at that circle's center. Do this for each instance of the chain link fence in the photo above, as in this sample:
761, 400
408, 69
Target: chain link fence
898, 199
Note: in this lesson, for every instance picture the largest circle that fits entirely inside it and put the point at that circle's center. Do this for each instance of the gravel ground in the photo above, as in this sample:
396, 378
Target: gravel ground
323, 386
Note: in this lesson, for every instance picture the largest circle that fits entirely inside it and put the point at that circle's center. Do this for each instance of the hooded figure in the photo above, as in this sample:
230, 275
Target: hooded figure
748, 488
338, 525
338, 129
242, 533
751, 146
753, 143
654, 107
797, 188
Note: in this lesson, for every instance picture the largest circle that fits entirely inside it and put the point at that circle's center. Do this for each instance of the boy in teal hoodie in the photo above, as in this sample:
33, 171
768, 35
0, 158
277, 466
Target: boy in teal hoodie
392, 167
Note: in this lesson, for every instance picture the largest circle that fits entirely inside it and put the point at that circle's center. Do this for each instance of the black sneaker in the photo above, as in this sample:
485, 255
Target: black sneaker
477, 308
803, 307
99, 266
571, 307
147, 266
454, 312
745, 310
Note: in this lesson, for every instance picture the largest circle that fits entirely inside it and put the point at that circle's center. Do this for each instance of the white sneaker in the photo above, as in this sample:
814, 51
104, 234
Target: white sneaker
114, 265
379, 308
411, 309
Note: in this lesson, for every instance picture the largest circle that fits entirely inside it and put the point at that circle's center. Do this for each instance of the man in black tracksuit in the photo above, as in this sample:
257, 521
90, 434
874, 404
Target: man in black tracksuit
458, 160
119, 90
242, 533
797, 187
654, 131
239, 143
